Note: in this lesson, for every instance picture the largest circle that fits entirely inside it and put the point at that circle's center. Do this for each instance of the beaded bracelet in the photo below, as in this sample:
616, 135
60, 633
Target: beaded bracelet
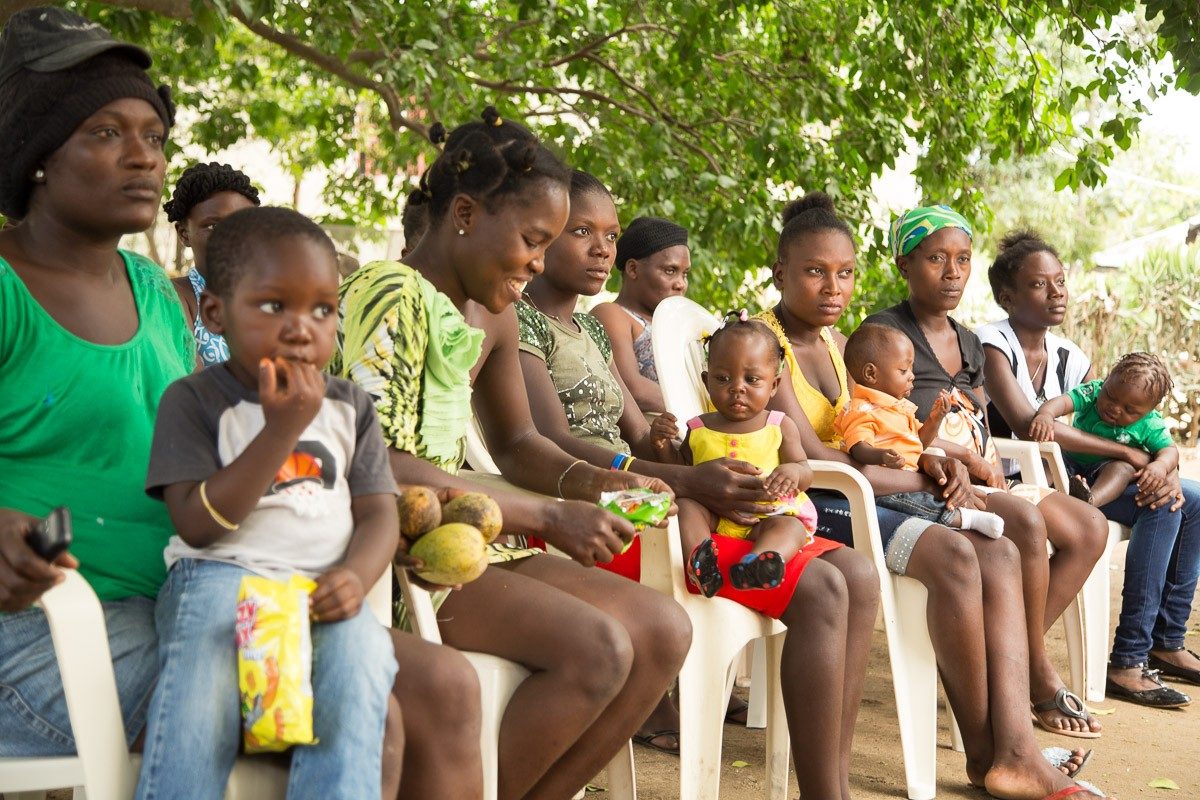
564, 474
212, 512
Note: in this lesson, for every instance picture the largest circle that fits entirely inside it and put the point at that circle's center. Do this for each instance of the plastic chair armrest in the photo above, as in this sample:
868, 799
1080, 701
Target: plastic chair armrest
76, 621
850, 483
1028, 458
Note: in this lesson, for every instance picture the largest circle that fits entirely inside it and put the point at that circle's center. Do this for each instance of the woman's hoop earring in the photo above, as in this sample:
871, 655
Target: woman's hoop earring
39, 175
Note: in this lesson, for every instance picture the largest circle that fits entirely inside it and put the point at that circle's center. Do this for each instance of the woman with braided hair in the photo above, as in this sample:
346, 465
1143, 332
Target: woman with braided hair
420, 336
205, 195
1026, 364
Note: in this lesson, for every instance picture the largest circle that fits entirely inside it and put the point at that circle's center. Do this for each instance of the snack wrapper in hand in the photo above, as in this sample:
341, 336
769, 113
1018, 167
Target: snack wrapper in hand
643, 507
274, 646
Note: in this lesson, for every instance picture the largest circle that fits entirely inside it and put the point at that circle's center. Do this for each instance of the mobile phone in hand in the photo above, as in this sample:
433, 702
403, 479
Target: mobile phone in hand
51, 536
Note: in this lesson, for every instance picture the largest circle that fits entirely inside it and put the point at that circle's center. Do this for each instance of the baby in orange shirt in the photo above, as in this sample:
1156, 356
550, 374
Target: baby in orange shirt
879, 426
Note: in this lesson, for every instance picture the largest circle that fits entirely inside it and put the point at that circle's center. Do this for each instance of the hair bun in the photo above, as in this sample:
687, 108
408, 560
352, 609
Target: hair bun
810, 201
1018, 237
491, 116
437, 133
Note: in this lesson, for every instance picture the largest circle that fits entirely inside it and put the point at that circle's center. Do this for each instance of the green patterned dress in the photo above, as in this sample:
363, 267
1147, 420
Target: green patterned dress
407, 346
580, 367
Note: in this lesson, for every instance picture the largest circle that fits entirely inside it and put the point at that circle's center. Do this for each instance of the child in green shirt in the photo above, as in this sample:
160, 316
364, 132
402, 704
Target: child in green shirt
1120, 408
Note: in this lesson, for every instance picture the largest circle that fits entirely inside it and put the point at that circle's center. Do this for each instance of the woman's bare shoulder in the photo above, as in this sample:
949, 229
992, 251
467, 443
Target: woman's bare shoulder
611, 315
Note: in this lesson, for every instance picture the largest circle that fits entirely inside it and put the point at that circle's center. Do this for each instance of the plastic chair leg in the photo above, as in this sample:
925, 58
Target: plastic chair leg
779, 743
1096, 616
756, 716
956, 740
914, 676
1074, 626
702, 685
621, 782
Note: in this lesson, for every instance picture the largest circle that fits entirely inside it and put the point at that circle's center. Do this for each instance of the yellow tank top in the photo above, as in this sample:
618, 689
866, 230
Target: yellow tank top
760, 448
820, 412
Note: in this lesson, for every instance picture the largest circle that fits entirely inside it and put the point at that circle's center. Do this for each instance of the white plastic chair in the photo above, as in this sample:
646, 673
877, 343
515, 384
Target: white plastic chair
103, 769
1095, 594
679, 359
499, 679
1029, 461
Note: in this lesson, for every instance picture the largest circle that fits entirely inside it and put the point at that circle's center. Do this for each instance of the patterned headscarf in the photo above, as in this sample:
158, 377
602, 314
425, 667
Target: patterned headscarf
910, 228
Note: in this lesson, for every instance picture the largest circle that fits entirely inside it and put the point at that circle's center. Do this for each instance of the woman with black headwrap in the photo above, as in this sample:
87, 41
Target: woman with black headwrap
205, 195
90, 336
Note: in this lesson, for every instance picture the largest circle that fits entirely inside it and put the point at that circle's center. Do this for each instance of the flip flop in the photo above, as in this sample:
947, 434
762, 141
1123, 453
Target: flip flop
647, 740
1078, 789
1059, 757
1071, 706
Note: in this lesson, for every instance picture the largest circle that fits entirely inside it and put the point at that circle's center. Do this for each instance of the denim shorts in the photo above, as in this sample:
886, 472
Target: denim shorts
917, 504
900, 532
33, 709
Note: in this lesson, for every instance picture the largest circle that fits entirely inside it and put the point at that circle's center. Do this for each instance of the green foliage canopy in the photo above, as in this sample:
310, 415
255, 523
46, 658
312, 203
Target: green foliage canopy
705, 111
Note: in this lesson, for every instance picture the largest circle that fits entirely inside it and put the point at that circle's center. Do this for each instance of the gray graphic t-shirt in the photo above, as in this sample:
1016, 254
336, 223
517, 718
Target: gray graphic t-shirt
303, 523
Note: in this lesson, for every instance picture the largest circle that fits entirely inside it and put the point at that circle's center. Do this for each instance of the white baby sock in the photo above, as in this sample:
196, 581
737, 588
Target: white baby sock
987, 523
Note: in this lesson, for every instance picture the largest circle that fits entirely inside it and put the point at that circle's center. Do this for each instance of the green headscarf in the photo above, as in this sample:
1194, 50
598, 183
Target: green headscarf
910, 228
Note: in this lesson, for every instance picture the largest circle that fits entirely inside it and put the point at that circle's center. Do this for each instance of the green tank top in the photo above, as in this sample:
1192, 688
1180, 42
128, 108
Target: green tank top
76, 420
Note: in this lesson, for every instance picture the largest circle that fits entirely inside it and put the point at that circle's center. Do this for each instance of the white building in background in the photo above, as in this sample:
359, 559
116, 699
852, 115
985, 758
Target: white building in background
1172, 237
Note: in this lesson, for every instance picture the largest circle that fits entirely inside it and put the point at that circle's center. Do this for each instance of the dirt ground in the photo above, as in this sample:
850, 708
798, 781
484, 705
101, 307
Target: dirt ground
1138, 746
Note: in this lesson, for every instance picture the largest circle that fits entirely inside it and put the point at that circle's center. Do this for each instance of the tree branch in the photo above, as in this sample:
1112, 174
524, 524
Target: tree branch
175, 9
481, 52
590, 47
334, 66
599, 97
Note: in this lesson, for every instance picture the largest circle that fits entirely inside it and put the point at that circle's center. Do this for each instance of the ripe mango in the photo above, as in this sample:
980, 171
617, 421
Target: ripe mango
454, 553
419, 510
477, 510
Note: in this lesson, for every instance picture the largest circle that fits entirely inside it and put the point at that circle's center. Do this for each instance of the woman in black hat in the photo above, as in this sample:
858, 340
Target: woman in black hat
654, 261
90, 336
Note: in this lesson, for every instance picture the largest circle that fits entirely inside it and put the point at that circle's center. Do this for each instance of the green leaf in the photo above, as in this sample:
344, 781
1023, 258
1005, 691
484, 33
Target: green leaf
740, 764
1065, 178
1163, 783
425, 44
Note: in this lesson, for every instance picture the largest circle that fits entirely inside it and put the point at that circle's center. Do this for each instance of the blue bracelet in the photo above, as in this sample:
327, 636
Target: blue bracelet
618, 462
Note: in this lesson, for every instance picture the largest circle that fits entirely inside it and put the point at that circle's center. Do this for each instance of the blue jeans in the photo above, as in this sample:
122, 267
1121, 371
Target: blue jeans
898, 530
916, 504
33, 709
1161, 567
194, 726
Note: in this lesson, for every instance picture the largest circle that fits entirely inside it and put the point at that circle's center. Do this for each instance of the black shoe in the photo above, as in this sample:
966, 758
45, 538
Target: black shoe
1173, 671
1162, 697
704, 569
764, 572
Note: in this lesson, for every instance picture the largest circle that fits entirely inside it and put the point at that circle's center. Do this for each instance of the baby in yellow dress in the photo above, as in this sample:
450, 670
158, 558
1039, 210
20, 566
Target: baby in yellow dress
744, 367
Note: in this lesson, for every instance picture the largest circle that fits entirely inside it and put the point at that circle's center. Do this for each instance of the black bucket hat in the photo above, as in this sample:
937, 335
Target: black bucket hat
46, 39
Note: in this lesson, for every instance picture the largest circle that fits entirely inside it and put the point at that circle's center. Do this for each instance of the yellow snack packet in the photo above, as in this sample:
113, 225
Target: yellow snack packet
274, 647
